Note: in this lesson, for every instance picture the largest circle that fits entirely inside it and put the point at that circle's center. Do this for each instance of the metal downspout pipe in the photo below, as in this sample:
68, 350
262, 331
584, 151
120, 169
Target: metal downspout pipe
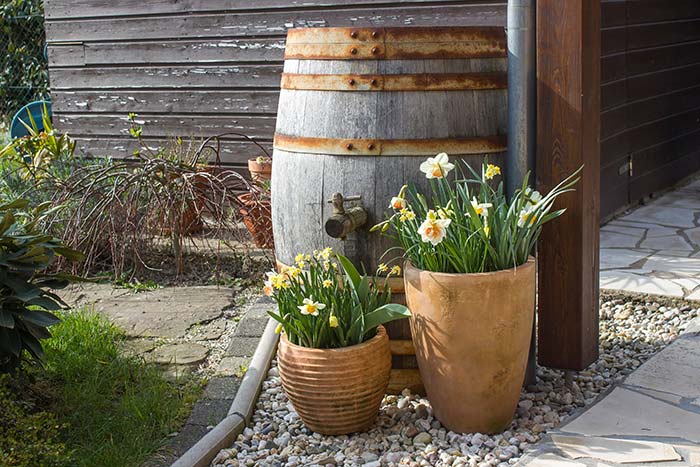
522, 113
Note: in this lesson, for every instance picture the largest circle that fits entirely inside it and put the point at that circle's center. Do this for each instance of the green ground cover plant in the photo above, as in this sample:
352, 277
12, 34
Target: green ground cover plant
92, 405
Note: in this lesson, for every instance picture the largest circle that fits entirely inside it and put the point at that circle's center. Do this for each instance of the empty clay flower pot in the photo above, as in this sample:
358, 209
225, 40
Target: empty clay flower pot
336, 391
472, 334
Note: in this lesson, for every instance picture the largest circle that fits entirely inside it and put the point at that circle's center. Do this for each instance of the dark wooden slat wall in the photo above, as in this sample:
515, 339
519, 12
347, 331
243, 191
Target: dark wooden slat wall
650, 97
199, 67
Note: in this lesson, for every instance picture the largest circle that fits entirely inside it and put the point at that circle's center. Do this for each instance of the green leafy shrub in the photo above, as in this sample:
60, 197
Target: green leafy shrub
38, 165
26, 299
29, 436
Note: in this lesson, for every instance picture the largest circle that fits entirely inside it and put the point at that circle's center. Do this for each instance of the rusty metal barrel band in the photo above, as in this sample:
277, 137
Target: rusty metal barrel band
390, 147
405, 82
395, 43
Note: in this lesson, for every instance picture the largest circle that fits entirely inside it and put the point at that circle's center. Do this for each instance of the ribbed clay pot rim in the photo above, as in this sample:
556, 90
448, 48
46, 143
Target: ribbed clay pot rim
530, 263
352, 348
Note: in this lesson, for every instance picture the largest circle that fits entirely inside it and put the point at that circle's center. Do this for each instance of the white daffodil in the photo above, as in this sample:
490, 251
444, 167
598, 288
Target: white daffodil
481, 209
433, 230
527, 217
437, 167
398, 203
310, 307
532, 198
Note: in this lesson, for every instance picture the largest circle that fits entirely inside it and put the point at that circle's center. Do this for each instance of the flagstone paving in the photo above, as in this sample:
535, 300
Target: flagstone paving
650, 419
655, 249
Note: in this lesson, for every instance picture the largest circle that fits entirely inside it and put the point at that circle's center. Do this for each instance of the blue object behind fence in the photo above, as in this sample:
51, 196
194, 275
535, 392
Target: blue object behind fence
35, 109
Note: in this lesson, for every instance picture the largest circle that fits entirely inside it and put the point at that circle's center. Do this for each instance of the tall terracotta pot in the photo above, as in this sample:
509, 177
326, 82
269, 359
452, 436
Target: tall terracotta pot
336, 391
472, 333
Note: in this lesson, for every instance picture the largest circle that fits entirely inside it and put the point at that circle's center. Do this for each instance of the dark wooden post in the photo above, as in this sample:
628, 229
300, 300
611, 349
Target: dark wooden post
568, 129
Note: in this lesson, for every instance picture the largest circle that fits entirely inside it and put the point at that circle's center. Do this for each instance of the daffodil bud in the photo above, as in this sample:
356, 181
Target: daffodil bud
333, 321
278, 329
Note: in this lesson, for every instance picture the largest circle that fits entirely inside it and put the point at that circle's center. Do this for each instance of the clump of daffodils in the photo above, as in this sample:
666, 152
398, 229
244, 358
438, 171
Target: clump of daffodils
467, 225
323, 301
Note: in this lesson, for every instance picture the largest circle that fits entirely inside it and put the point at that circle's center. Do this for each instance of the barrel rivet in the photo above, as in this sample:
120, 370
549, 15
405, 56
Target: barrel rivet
370, 146
348, 146
375, 50
375, 34
353, 51
353, 34
373, 82
351, 82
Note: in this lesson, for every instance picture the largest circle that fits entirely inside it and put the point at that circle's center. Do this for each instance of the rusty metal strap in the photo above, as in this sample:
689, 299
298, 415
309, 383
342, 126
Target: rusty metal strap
390, 147
407, 82
395, 43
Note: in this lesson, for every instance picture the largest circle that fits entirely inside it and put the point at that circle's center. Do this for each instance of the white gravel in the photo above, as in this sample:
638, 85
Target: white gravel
406, 434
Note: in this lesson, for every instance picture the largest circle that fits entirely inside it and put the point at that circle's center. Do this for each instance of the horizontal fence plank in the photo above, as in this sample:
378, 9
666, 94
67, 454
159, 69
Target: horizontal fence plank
649, 159
61, 9
149, 52
274, 23
654, 84
232, 152
197, 126
123, 101
652, 35
192, 76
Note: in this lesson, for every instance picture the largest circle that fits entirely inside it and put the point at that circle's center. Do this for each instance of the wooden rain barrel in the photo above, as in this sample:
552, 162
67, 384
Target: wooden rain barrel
359, 110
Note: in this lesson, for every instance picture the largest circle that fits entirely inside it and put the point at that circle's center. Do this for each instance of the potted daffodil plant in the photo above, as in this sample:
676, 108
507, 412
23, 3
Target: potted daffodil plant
470, 285
333, 356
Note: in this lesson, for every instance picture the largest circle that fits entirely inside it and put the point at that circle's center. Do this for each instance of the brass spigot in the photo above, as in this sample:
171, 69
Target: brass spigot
343, 221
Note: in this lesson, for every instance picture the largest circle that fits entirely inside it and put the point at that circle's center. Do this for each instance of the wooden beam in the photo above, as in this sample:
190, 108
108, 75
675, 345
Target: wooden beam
568, 133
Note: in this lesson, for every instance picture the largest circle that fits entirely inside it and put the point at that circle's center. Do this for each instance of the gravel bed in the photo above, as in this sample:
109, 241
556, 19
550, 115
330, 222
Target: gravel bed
406, 434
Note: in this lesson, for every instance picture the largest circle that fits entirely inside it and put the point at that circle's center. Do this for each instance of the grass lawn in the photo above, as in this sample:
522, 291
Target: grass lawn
93, 405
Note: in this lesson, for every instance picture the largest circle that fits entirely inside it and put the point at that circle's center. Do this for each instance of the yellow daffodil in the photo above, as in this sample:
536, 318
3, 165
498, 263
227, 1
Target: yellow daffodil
310, 307
410, 215
492, 171
292, 271
433, 230
482, 209
325, 253
437, 167
277, 281
278, 329
395, 270
333, 321
382, 268
300, 259
327, 284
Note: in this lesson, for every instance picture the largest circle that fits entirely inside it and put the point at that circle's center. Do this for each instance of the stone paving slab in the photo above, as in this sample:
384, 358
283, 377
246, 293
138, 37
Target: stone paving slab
655, 248
658, 403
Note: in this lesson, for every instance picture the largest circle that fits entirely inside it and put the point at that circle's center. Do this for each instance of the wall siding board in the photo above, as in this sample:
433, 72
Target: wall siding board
650, 69
199, 67
272, 23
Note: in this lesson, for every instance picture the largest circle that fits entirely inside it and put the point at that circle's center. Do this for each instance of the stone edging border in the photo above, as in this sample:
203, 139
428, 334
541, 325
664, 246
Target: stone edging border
224, 434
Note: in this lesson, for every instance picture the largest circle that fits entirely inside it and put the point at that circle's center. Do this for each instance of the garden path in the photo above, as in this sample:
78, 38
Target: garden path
206, 330
651, 419
655, 248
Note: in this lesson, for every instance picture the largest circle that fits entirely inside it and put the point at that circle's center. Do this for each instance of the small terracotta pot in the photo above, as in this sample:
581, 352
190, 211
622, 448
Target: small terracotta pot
259, 172
472, 334
336, 391
257, 217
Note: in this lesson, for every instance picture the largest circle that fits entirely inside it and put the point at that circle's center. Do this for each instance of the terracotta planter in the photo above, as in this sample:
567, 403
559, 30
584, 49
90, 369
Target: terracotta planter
257, 217
259, 172
336, 391
472, 333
